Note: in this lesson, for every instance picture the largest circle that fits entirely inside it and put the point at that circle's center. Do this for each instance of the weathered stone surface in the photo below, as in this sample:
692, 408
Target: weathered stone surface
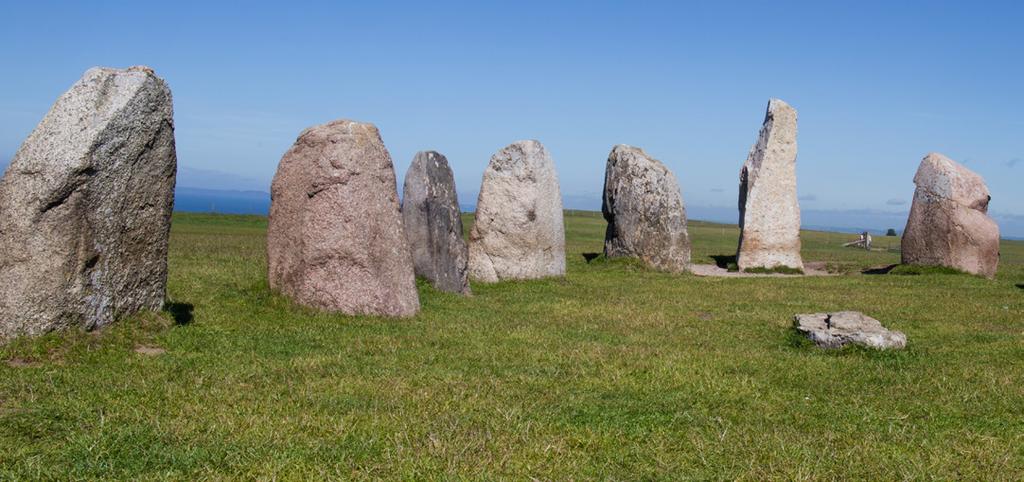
769, 212
518, 232
433, 223
949, 223
833, 330
644, 209
85, 207
335, 240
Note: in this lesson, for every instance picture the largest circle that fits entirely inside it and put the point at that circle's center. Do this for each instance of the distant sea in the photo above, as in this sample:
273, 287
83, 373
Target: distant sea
842, 221
221, 201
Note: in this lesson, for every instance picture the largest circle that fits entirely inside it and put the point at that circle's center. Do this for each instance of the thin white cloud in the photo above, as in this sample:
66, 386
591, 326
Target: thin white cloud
215, 179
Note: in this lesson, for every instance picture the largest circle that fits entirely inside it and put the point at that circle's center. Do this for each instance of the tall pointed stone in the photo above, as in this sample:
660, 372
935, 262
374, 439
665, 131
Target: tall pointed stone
335, 240
949, 223
85, 207
517, 231
433, 223
769, 212
644, 209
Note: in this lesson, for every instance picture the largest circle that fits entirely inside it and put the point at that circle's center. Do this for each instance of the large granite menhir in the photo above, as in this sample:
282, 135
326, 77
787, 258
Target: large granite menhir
335, 240
949, 223
769, 212
433, 223
644, 209
517, 231
85, 207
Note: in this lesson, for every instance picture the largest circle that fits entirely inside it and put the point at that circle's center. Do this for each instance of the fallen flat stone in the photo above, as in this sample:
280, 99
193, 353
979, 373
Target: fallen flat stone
949, 223
769, 210
835, 330
517, 232
433, 223
335, 240
644, 209
85, 207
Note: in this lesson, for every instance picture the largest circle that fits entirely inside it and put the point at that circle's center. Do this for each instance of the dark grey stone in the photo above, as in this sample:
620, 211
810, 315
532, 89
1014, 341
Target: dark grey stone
433, 223
644, 209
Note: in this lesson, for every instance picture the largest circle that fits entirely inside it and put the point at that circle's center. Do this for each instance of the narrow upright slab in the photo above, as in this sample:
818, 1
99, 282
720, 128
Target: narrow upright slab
769, 212
949, 223
518, 232
85, 207
335, 240
644, 209
433, 223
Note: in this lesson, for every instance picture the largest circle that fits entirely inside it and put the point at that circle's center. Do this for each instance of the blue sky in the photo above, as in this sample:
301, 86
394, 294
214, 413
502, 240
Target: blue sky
877, 84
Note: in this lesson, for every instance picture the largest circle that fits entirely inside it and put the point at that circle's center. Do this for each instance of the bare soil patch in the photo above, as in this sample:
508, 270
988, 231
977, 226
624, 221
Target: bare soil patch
810, 269
21, 363
149, 350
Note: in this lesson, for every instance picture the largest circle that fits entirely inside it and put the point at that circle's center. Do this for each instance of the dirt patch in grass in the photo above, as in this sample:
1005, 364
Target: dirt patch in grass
810, 269
149, 350
22, 363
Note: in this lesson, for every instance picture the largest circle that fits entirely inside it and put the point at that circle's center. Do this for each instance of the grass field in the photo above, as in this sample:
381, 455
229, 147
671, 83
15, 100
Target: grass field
613, 372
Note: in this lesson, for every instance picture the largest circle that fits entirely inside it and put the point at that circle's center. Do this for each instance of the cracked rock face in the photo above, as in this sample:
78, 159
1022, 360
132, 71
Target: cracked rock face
834, 330
517, 231
769, 211
949, 223
335, 240
433, 223
644, 209
85, 207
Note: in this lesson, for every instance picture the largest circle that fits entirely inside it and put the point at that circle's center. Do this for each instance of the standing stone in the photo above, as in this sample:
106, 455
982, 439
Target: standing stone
85, 207
769, 212
433, 223
335, 240
644, 209
518, 232
949, 223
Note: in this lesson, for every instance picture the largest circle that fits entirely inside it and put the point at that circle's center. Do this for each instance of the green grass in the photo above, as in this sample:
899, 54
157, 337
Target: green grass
614, 372
914, 270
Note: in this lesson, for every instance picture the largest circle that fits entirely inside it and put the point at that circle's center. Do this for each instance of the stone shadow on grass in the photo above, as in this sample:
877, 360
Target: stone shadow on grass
588, 257
1020, 285
724, 260
879, 270
181, 312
